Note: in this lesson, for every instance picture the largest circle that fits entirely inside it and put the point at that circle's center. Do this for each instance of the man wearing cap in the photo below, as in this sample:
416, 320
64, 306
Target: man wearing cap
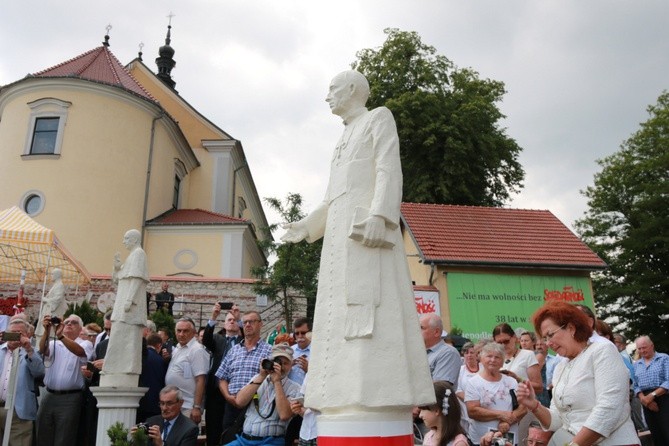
267, 415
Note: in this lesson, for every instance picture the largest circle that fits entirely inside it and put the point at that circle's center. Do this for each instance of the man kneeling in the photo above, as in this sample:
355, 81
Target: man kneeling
268, 414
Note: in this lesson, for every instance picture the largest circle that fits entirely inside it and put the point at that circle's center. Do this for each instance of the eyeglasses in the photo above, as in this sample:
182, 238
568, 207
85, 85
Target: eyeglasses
250, 321
167, 403
530, 442
504, 342
70, 322
300, 333
550, 335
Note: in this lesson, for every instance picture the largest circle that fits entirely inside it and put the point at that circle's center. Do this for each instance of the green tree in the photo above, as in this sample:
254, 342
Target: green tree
452, 146
86, 312
627, 225
295, 271
162, 319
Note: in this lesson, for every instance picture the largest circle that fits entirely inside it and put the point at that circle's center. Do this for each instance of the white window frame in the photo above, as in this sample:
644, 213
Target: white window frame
47, 108
29, 194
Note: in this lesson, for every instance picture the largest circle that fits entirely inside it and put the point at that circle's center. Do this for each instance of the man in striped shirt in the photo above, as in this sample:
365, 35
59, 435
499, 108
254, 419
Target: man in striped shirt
241, 364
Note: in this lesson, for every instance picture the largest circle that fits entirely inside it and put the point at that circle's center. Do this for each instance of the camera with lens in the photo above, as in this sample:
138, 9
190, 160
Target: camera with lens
498, 441
56, 320
268, 364
143, 427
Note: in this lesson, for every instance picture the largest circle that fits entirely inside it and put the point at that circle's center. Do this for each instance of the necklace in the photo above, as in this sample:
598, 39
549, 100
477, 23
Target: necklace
513, 357
470, 370
568, 368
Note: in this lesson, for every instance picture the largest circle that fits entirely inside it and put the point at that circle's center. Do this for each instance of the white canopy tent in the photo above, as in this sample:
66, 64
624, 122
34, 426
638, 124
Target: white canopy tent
25, 245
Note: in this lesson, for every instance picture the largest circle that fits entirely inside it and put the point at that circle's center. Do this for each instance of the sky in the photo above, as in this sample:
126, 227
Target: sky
579, 74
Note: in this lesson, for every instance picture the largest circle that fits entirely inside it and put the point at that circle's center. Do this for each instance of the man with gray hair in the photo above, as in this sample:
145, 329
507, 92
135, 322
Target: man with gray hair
188, 369
443, 359
60, 407
171, 427
652, 385
30, 367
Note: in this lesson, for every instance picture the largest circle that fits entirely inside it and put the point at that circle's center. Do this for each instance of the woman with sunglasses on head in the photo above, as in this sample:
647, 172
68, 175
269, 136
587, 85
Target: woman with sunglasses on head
520, 364
590, 402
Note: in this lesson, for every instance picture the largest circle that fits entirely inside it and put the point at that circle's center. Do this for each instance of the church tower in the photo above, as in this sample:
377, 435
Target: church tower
165, 60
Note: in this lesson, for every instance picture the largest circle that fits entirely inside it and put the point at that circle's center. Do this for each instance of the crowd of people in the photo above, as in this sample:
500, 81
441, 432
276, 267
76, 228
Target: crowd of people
239, 389
589, 392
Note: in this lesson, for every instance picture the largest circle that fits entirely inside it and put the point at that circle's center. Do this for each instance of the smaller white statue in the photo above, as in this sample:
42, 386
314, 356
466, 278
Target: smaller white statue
123, 361
54, 303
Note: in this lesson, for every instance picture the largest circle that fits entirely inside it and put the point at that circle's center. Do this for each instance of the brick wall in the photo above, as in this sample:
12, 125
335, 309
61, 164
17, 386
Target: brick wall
198, 295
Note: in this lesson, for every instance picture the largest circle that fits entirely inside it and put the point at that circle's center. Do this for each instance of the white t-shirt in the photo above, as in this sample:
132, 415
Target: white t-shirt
187, 362
519, 364
493, 395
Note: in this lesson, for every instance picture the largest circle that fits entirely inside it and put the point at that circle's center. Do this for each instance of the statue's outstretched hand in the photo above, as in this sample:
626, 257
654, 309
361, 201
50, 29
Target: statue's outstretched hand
296, 232
375, 231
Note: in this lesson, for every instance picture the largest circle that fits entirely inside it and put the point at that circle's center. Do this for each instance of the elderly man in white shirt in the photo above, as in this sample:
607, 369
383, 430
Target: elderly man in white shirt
58, 415
188, 369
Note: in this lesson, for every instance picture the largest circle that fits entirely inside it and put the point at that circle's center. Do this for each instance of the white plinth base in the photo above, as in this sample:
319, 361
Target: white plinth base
391, 427
116, 404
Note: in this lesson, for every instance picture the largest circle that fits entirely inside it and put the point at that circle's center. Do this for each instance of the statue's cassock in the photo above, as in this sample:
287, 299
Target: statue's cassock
367, 350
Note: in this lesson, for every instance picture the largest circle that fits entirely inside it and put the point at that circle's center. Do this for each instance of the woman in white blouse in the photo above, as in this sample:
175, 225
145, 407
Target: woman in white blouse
590, 388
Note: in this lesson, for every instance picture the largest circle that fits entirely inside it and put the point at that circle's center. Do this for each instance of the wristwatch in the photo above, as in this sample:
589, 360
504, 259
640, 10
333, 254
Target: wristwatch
653, 394
197, 407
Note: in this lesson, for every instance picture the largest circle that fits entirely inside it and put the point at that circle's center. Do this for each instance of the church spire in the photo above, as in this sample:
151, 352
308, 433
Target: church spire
165, 60
106, 42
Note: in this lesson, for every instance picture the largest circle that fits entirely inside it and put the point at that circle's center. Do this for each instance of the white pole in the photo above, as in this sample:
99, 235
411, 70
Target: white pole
11, 390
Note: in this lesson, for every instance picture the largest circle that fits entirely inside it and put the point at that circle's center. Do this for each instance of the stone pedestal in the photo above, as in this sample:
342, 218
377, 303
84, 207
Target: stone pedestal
393, 427
116, 404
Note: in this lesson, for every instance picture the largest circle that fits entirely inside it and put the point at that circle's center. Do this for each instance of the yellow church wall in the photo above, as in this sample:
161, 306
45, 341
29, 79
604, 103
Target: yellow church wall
101, 184
170, 251
199, 194
200, 183
161, 189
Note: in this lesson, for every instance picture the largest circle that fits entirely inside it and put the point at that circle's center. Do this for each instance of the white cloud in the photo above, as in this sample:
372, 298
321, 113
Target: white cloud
579, 74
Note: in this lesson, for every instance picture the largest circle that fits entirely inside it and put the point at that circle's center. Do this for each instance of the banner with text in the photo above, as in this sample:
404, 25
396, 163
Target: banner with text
478, 302
427, 301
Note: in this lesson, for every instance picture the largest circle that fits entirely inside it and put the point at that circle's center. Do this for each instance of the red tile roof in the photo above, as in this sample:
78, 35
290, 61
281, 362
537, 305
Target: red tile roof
98, 65
495, 236
178, 217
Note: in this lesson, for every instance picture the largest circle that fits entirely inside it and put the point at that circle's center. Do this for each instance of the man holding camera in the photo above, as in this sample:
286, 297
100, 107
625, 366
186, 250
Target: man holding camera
171, 427
30, 367
60, 407
267, 415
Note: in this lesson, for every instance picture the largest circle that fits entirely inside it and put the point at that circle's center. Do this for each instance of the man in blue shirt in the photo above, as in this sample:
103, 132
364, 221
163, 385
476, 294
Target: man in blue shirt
241, 364
652, 384
301, 350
